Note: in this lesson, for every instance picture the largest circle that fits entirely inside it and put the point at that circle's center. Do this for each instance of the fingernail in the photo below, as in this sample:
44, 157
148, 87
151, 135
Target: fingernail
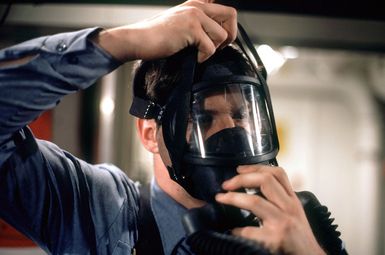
219, 196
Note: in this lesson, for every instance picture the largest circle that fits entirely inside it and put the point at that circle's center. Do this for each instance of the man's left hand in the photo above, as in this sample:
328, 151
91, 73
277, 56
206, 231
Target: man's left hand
285, 227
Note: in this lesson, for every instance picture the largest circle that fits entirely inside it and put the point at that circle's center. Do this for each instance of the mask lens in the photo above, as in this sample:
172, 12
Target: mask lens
229, 121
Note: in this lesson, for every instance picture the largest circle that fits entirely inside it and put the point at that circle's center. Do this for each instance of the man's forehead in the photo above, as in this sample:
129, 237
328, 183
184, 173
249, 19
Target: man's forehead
223, 101
219, 90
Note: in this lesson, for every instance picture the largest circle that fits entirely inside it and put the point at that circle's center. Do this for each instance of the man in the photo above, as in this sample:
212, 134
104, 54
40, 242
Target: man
70, 207
285, 227
64, 204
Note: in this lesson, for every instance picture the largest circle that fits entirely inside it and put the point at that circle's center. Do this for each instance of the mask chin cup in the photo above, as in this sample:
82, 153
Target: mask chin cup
206, 180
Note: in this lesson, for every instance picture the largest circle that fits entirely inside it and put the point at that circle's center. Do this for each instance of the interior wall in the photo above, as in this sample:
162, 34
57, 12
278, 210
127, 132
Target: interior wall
331, 136
124, 147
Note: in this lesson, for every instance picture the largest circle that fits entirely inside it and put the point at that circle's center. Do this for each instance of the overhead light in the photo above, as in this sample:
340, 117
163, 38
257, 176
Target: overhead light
289, 52
107, 106
272, 59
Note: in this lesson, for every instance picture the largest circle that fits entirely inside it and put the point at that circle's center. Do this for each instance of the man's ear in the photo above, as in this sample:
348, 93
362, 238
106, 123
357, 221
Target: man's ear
147, 133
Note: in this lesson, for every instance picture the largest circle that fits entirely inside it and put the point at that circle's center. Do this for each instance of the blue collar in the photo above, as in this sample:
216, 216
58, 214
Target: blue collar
168, 216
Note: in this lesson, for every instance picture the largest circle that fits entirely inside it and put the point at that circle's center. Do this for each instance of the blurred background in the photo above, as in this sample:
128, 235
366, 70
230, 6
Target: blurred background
326, 64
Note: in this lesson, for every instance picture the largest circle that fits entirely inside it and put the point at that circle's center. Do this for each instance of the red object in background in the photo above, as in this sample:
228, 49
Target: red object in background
42, 126
10, 237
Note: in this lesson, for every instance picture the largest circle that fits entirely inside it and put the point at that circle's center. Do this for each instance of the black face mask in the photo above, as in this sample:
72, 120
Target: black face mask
206, 180
202, 155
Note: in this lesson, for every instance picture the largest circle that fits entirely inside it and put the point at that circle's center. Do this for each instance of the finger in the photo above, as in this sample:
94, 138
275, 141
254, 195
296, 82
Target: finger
249, 168
282, 177
214, 30
200, 31
224, 15
267, 183
278, 173
205, 46
259, 206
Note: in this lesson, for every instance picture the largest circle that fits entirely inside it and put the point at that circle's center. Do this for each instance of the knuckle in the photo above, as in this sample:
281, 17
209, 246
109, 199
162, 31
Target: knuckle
193, 13
222, 36
267, 177
255, 199
279, 172
192, 26
260, 167
191, 3
205, 52
232, 37
210, 50
276, 169
233, 12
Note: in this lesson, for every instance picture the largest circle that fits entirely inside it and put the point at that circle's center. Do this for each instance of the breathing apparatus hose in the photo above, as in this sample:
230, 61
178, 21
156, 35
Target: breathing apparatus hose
322, 225
215, 243
211, 242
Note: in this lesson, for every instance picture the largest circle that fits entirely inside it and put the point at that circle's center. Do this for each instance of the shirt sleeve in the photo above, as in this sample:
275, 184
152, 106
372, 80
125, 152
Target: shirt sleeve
66, 205
40, 190
61, 64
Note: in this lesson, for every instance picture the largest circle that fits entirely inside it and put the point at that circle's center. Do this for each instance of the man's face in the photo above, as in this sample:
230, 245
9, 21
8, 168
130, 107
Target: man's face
217, 111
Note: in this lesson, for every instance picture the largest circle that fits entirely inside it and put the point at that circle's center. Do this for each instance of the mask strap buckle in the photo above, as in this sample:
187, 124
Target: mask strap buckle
146, 109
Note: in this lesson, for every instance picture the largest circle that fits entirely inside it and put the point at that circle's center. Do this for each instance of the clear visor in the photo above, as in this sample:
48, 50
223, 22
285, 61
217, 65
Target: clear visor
229, 121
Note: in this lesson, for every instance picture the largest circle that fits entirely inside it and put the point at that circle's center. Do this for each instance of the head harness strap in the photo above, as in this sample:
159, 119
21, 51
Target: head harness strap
142, 107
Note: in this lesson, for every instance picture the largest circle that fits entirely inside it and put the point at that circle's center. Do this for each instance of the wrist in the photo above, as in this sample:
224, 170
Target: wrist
118, 42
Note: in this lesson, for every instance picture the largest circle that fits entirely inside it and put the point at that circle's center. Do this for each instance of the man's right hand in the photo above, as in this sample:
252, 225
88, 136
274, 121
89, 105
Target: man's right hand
203, 24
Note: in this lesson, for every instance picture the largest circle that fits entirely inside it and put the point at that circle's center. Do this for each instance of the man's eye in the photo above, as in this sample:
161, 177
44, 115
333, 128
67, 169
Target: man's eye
204, 119
240, 115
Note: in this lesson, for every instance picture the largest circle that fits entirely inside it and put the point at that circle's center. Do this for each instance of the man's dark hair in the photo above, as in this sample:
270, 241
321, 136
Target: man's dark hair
160, 76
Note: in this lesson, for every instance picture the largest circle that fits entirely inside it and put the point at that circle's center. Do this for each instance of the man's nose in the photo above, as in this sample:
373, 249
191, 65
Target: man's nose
225, 121
219, 123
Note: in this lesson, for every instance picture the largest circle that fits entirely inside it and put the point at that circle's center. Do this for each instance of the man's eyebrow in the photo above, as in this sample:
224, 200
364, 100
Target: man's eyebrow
209, 111
238, 108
